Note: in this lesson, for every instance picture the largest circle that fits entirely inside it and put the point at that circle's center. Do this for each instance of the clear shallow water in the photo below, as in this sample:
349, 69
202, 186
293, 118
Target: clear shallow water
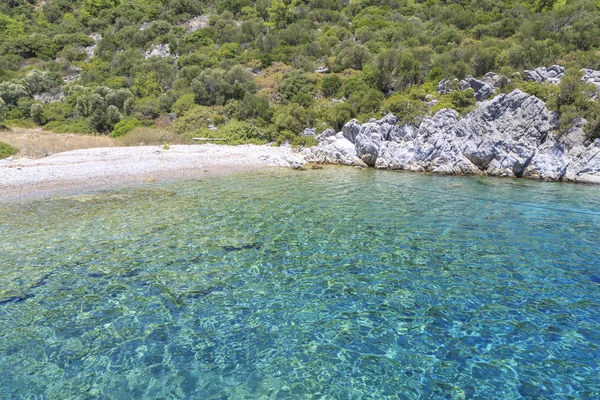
330, 284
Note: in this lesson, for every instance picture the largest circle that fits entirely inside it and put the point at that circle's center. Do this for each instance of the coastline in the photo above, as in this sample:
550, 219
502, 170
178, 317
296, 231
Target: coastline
107, 166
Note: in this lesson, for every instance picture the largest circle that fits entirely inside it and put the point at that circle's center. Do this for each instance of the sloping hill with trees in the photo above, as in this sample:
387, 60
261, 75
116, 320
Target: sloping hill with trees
266, 70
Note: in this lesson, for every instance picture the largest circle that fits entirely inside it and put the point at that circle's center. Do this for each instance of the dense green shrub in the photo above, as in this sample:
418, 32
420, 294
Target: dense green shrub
11, 92
216, 86
331, 85
6, 150
407, 109
124, 126
237, 132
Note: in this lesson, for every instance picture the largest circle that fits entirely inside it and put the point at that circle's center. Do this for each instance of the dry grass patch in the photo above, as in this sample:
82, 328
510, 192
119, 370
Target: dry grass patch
35, 143
149, 137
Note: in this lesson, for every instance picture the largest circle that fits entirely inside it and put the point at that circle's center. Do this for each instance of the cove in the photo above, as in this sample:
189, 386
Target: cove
334, 283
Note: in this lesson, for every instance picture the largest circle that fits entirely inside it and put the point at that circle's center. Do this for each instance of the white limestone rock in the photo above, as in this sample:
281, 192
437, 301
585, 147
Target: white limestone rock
333, 150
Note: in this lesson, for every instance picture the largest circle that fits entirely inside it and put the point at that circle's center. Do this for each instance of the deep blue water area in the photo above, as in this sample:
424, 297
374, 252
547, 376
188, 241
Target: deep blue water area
325, 284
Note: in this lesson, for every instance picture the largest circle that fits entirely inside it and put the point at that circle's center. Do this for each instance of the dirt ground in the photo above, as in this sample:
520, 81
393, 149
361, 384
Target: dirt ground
36, 143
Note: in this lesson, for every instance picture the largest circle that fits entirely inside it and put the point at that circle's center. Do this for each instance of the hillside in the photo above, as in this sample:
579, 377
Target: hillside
271, 70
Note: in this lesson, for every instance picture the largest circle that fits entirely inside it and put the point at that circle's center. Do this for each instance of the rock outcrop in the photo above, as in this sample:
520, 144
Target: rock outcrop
512, 136
541, 74
159, 50
483, 89
335, 149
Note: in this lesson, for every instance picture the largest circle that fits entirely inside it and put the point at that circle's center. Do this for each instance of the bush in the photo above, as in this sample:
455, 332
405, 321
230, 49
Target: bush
407, 109
37, 113
11, 92
297, 82
238, 132
295, 139
184, 104
217, 86
331, 85
197, 118
367, 102
6, 150
124, 126
339, 114
292, 118
251, 107
3, 109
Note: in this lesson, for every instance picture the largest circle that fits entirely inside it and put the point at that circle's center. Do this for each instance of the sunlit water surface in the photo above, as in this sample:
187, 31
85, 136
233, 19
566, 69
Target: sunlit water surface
329, 284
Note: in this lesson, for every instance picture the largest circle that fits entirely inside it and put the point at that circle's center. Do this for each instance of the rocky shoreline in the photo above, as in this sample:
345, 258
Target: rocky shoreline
511, 135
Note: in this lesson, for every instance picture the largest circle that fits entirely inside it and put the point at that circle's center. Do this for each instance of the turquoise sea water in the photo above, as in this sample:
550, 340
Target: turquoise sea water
329, 284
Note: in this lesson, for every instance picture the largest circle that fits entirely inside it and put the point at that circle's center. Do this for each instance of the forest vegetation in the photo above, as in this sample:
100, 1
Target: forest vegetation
265, 70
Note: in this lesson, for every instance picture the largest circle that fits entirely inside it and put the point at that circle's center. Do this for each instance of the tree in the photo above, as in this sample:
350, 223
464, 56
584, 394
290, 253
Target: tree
11, 92
280, 14
354, 57
37, 113
296, 82
217, 86
331, 85
3, 110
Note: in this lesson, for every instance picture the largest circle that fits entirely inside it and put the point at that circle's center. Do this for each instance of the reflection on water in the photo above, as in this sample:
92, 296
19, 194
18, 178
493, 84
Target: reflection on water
322, 284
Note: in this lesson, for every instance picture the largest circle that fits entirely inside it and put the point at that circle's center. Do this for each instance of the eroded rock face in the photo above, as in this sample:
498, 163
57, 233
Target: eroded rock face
502, 135
483, 90
351, 130
511, 136
333, 150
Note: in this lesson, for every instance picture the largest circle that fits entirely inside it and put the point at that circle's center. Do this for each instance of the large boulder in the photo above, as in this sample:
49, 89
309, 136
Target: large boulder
351, 130
483, 90
445, 86
430, 147
584, 164
368, 141
333, 150
549, 162
494, 79
503, 134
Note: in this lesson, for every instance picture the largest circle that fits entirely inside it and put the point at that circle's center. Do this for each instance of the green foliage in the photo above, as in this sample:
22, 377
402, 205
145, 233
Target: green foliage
217, 86
104, 107
42, 81
462, 101
375, 48
6, 150
293, 118
331, 85
339, 114
407, 109
124, 126
184, 104
37, 113
3, 110
366, 102
297, 82
237, 132
353, 57
197, 118
251, 107
146, 85
541, 91
11, 92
